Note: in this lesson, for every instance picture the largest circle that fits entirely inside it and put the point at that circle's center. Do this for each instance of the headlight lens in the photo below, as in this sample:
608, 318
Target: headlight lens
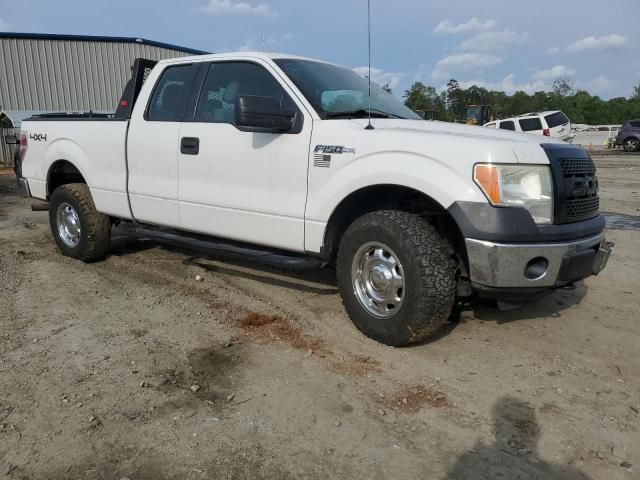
527, 186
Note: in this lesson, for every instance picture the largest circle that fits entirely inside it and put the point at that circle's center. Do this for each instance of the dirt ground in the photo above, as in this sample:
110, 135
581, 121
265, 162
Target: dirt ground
130, 368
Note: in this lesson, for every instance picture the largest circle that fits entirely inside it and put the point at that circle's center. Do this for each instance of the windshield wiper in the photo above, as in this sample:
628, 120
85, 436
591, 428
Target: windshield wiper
362, 113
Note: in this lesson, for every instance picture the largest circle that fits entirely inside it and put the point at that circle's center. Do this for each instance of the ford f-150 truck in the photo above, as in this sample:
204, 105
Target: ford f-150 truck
292, 161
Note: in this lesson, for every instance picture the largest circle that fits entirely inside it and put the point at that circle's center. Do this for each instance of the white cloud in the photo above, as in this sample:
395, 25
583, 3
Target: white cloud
462, 61
594, 43
380, 77
473, 24
599, 85
508, 85
554, 72
488, 41
219, 7
4, 25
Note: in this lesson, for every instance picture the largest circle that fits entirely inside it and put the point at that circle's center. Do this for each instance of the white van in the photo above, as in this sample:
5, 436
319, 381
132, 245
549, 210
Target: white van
549, 124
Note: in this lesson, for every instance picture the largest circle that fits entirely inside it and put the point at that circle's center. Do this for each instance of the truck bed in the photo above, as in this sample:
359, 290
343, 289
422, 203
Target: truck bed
95, 146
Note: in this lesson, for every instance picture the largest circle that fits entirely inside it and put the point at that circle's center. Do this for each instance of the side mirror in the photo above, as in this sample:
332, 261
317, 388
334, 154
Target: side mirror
11, 140
262, 114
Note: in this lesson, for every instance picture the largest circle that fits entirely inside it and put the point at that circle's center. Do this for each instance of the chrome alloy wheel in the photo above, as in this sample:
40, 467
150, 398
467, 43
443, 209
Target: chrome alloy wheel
68, 224
378, 279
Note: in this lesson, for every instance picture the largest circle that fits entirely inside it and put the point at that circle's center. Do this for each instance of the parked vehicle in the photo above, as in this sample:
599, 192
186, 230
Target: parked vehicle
629, 136
553, 124
287, 161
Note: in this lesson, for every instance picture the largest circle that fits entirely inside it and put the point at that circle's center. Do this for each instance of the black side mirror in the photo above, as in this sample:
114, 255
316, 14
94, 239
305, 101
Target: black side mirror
11, 140
262, 114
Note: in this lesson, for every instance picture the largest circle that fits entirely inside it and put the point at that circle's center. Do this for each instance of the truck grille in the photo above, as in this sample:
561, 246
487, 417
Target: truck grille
577, 166
575, 184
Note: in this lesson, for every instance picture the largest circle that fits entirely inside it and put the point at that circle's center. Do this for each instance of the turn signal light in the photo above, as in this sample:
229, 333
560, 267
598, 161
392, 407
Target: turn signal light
486, 177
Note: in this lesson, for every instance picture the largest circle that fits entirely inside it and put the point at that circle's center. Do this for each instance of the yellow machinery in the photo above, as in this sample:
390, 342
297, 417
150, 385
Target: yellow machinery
478, 114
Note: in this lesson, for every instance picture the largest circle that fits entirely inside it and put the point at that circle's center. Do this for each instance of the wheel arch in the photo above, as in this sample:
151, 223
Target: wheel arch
390, 197
62, 172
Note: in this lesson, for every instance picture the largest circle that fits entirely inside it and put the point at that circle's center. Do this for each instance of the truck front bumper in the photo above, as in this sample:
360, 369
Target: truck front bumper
535, 266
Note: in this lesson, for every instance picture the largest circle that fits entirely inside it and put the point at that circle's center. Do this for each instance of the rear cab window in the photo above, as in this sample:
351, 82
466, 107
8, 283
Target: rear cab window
556, 119
508, 125
635, 124
530, 124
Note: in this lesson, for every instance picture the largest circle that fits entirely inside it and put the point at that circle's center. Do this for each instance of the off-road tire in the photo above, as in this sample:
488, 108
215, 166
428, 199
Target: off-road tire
631, 145
95, 227
429, 270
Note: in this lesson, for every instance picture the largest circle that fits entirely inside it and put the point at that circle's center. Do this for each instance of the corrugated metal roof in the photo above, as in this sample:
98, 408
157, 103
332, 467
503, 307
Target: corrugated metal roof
99, 38
70, 73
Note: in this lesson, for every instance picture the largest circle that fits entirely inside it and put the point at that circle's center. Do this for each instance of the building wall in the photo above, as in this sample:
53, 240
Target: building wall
68, 75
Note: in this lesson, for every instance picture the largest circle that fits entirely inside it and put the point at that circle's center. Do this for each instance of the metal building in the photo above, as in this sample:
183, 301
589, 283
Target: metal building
44, 72
68, 73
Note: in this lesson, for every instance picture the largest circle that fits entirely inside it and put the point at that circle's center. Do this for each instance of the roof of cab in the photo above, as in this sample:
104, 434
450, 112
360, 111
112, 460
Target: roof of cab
239, 55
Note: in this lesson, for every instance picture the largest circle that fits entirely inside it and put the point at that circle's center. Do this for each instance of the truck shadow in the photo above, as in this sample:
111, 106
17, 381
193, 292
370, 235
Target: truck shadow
320, 281
549, 306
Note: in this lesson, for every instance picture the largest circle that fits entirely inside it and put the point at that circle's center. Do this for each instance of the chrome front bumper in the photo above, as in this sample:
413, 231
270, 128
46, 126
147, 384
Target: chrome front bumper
518, 265
23, 187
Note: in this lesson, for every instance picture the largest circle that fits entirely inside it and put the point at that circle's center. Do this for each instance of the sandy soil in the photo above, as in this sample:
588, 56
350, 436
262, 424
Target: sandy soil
130, 368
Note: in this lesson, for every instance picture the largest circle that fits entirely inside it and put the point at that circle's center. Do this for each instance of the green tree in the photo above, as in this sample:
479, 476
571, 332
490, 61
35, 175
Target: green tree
563, 86
636, 92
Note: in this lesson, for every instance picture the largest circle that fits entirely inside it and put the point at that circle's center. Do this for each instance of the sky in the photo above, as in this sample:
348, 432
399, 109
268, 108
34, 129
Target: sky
499, 44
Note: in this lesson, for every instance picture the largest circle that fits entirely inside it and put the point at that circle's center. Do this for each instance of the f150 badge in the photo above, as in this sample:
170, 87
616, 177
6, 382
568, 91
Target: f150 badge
38, 137
322, 154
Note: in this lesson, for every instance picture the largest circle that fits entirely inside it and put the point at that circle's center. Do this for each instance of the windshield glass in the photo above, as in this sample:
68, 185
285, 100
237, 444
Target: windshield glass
337, 92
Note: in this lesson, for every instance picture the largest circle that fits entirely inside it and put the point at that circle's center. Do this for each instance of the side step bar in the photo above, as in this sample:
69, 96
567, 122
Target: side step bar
271, 257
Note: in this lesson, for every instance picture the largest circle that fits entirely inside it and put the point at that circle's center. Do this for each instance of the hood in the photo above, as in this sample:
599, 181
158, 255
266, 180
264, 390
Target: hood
435, 127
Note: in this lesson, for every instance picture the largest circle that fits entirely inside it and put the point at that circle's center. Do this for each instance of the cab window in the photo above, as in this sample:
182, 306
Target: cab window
226, 81
508, 125
170, 94
530, 124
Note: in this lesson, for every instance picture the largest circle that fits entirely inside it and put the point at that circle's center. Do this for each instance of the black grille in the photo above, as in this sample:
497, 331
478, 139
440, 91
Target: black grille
577, 166
582, 206
575, 183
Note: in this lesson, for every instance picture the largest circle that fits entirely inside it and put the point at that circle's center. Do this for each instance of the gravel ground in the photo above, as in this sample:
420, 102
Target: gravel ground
132, 368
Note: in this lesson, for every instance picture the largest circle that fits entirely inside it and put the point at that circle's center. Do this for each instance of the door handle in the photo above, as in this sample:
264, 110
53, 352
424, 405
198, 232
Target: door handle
189, 145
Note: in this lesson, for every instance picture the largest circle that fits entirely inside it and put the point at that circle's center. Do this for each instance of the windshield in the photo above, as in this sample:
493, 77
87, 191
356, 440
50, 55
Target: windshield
337, 92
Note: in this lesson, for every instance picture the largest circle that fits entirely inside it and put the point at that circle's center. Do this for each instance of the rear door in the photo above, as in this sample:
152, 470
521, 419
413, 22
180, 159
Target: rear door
243, 185
531, 125
152, 147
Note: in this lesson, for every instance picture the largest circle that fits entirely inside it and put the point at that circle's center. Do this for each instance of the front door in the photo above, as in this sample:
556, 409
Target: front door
153, 142
239, 185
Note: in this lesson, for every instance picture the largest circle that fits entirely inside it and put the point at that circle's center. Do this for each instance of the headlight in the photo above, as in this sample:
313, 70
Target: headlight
527, 186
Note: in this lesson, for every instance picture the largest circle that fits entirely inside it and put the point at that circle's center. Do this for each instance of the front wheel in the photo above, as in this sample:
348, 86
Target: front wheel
78, 228
631, 145
396, 275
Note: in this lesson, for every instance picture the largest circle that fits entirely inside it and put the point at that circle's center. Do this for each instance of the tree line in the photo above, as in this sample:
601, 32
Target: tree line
579, 105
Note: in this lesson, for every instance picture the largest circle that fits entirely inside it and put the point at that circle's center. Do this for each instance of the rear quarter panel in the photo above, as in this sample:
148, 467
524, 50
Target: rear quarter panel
94, 147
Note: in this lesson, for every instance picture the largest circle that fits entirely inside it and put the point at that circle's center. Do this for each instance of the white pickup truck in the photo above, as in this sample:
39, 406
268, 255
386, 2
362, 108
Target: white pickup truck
274, 157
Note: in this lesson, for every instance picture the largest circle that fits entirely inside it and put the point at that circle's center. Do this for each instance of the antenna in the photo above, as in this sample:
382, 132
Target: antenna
369, 126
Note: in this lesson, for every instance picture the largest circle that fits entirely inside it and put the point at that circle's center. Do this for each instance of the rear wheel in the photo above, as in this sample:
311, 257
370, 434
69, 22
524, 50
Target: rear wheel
78, 228
396, 275
631, 145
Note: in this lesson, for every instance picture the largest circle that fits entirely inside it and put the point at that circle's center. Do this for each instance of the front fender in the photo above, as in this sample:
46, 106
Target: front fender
441, 182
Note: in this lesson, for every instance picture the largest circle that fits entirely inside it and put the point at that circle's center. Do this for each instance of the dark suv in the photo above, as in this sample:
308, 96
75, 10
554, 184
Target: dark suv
629, 136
